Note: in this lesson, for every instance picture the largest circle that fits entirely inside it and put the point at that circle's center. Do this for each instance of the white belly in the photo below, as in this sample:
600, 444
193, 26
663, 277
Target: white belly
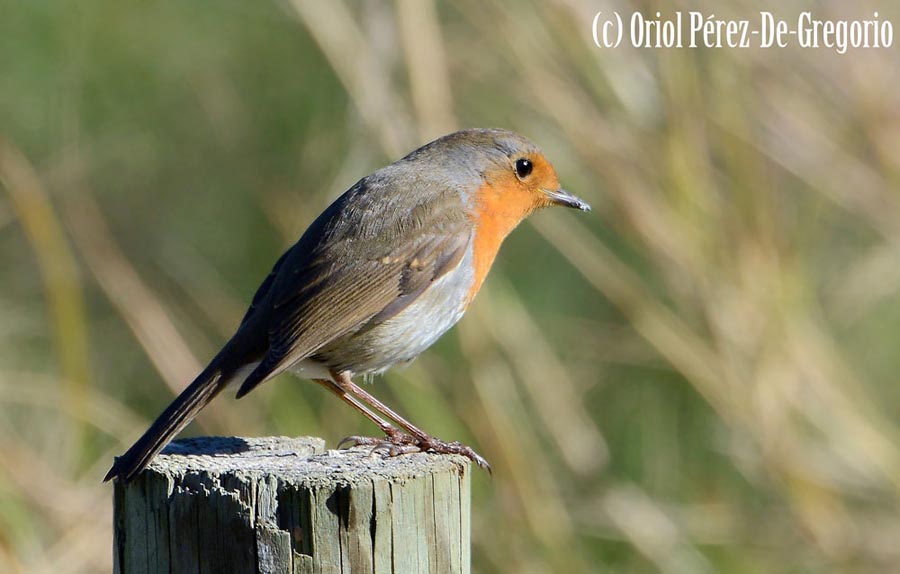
404, 336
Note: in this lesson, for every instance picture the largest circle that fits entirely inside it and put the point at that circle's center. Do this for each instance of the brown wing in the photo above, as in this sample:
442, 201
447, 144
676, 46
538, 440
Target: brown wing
352, 269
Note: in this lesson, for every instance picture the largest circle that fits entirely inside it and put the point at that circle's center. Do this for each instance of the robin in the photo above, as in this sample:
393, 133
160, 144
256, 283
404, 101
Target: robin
377, 278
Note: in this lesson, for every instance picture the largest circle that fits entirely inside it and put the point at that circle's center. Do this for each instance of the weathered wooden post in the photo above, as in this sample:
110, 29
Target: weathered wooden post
275, 504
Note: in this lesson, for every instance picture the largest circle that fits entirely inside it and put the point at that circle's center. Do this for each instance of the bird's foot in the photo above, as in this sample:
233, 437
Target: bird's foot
396, 442
392, 437
430, 444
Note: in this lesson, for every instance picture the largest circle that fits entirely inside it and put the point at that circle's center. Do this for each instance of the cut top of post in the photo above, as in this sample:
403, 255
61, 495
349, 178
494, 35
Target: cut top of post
299, 460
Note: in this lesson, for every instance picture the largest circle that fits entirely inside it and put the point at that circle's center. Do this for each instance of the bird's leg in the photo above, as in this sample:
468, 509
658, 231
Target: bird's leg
387, 428
417, 438
346, 385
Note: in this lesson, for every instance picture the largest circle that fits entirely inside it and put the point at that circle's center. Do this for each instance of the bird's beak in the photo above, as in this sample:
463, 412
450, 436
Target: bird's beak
566, 199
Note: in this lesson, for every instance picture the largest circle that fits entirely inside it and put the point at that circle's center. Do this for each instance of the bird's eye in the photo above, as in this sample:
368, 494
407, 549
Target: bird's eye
523, 168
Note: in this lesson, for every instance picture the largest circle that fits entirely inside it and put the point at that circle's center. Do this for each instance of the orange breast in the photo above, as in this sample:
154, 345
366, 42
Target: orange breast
499, 207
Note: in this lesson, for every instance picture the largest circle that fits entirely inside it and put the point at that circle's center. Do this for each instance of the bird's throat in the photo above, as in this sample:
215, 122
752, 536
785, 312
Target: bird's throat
498, 210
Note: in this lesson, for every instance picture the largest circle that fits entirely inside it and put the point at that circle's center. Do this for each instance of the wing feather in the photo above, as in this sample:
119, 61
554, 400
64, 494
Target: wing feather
348, 272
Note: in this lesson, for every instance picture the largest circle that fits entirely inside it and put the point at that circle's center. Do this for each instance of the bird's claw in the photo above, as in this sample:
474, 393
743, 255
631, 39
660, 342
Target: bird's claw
392, 437
397, 442
353, 440
392, 449
455, 447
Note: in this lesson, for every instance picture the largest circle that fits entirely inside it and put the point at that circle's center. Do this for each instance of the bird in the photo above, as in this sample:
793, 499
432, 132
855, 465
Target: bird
376, 279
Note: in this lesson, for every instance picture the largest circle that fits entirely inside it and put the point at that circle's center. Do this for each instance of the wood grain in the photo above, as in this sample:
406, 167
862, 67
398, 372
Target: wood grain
285, 505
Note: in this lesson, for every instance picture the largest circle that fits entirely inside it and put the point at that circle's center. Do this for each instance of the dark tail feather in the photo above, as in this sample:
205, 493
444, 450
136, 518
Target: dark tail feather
177, 416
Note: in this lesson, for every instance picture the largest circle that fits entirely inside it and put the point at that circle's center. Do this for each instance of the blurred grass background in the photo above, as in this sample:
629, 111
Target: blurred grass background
700, 376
